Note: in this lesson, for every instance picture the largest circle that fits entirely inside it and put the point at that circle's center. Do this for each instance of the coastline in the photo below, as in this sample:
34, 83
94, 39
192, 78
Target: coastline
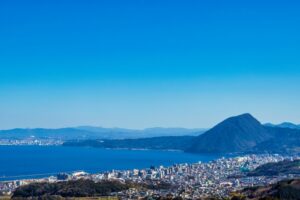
30, 160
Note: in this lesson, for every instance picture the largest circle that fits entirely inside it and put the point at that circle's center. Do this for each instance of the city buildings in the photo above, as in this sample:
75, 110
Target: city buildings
216, 178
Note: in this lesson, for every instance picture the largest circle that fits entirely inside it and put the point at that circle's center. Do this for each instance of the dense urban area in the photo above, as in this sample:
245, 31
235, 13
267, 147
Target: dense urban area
217, 178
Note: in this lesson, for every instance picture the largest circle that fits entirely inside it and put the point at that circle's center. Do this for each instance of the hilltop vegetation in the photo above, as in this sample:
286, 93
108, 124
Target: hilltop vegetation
275, 169
85, 189
79, 188
283, 190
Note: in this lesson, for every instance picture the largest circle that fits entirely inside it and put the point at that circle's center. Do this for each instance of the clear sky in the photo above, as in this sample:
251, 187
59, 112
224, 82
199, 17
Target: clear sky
146, 63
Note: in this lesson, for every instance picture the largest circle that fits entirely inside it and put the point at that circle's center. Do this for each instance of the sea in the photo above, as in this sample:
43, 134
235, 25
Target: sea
26, 162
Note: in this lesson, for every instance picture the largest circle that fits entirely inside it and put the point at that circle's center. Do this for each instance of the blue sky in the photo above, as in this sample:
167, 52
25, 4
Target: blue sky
143, 63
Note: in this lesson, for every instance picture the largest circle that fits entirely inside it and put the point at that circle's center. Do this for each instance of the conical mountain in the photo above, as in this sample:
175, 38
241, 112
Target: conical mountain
235, 134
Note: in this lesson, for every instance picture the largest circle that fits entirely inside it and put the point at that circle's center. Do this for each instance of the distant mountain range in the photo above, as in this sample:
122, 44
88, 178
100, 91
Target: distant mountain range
237, 134
90, 132
284, 125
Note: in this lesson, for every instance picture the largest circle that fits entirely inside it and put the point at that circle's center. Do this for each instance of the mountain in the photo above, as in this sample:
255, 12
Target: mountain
284, 140
284, 125
90, 132
40, 133
239, 134
235, 134
244, 133
121, 133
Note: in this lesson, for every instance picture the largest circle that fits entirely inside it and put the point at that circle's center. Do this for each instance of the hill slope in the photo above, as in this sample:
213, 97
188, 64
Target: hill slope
285, 190
285, 140
285, 167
